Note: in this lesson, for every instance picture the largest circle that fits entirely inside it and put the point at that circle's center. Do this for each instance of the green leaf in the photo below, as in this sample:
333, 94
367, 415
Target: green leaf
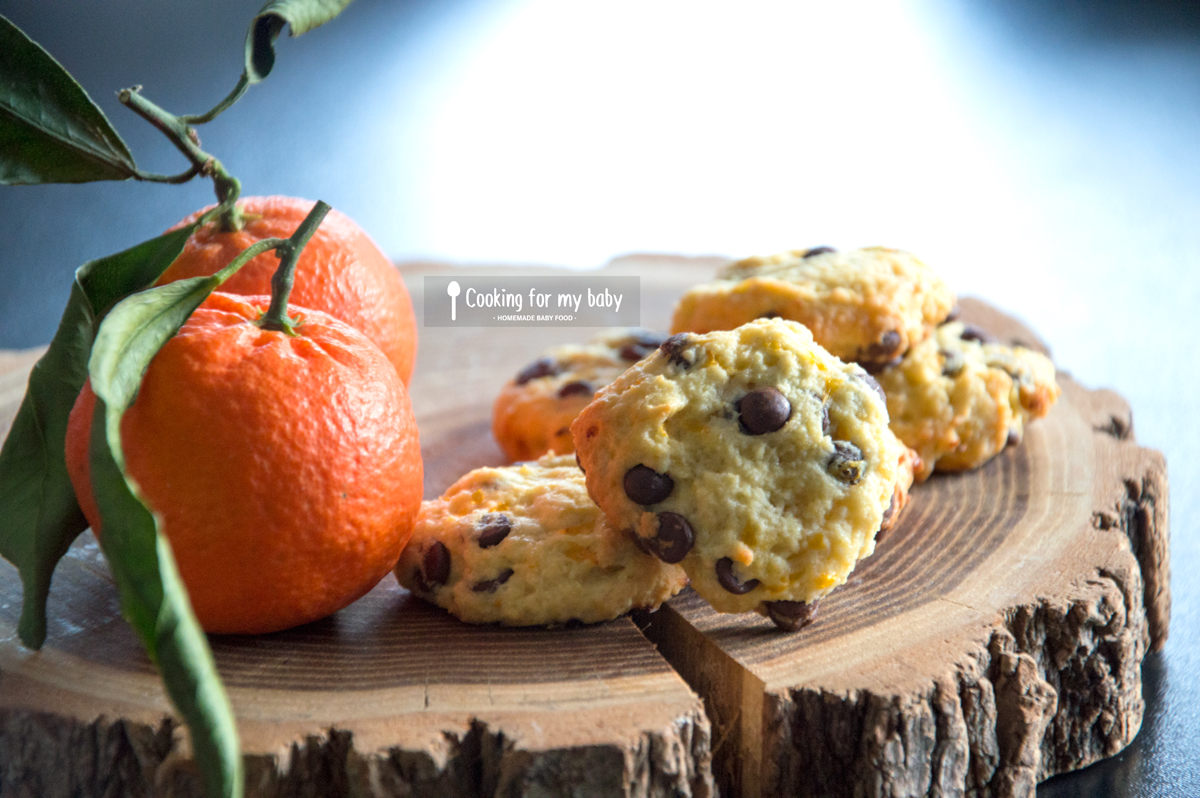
50, 130
37, 503
302, 15
153, 597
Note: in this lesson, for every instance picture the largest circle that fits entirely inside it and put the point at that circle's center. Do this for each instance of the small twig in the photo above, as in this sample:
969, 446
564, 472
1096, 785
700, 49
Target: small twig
238, 91
182, 177
187, 142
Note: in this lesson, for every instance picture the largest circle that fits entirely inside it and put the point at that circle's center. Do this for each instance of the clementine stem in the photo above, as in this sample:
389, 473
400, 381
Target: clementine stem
250, 252
276, 317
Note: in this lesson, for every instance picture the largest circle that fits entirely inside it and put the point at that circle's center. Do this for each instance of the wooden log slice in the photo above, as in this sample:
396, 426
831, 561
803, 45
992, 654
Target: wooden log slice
995, 638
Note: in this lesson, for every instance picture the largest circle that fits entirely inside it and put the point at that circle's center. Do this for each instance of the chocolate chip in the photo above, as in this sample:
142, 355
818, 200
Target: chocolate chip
812, 253
792, 616
645, 486
493, 528
576, 388
490, 585
542, 367
436, 563
673, 348
1014, 438
879, 368
645, 343
729, 581
972, 333
874, 385
763, 410
674, 539
579, 462
846, 463
635, 352
889, 517
770, 314
882, 351
419, 579
640, 541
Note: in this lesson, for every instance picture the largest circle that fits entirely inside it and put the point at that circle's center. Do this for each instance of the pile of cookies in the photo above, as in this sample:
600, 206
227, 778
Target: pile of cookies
758, 452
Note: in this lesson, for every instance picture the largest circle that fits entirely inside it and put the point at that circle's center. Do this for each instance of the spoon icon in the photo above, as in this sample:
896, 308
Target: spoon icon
453, 290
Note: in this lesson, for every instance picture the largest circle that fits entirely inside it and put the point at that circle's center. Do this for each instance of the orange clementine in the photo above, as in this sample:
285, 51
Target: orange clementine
285, 470
341, 271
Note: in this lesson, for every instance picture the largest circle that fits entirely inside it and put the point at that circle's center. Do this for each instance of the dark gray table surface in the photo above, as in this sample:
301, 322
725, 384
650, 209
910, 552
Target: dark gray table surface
1042, 155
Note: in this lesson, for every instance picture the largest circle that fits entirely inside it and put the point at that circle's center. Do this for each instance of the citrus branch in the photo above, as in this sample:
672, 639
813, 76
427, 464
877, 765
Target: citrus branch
185, 139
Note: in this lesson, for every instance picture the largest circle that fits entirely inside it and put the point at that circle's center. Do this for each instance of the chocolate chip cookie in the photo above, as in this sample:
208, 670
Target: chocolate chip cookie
524, 545
753, 457
533, 413
960, 398
868, 305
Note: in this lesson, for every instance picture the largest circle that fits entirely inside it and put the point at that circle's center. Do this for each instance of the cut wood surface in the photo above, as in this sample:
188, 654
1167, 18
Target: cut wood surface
994, 638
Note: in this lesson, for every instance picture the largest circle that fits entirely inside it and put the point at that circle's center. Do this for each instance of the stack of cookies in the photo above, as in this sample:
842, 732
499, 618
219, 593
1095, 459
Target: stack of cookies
954, 395
758, 452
